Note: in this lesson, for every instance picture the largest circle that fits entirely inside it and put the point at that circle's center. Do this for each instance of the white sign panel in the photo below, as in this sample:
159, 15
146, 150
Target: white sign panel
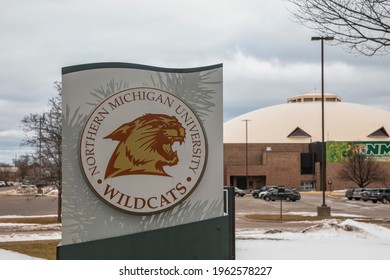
142, 148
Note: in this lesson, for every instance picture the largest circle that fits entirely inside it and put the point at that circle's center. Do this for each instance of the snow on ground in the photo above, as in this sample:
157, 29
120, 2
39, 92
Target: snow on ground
312, 214
14, 232
328, 239
14, 237
47, 191
28, 232
9, 255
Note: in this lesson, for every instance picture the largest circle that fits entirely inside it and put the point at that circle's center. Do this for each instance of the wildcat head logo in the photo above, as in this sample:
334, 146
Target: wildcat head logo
145, 146
143, 150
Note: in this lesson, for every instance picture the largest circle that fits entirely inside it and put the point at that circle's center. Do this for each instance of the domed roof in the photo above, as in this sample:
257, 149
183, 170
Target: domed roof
300, 121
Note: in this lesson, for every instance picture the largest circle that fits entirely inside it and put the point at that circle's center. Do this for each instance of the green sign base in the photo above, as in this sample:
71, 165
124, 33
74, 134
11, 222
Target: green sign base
204, 240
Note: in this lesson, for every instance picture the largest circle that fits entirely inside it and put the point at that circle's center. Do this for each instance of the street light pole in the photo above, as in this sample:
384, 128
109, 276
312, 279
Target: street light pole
41, 120
246, 151
323, 155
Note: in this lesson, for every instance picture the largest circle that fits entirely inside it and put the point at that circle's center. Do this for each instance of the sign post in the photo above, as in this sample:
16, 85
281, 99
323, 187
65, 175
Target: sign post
142, 163
281, 194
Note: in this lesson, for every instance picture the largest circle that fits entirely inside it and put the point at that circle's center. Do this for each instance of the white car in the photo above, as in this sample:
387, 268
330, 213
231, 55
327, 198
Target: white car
239, 192
2, 184
262, 193
27, 184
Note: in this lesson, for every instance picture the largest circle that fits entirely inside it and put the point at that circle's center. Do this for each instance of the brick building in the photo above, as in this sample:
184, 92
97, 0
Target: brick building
9, 173
280, 145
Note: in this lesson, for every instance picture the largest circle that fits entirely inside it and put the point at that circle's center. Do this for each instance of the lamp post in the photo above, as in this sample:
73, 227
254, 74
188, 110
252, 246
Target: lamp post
41, 120
246, 151
323, 155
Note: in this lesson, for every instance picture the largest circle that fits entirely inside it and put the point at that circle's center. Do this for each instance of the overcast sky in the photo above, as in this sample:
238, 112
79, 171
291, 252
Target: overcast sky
266, 56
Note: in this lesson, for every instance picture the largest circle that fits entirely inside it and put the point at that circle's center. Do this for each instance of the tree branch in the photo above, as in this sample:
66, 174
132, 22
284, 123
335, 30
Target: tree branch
360, 25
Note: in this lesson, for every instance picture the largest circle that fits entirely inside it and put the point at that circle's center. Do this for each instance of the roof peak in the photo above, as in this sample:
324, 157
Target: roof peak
313, 97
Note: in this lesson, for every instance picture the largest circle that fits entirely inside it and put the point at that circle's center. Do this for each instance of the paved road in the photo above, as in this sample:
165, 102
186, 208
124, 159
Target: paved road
340, 206
32, 205
27, 205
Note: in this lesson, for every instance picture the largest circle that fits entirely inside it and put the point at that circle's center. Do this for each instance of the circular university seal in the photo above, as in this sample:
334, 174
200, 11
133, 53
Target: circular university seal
143, 150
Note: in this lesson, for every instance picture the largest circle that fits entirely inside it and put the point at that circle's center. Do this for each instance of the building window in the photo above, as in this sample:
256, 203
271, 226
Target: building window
299, 133
307, 163
381, 132
308, 185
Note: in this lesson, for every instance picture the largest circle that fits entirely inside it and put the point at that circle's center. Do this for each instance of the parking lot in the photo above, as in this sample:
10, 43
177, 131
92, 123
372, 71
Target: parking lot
306, 206
26, 205
340, 206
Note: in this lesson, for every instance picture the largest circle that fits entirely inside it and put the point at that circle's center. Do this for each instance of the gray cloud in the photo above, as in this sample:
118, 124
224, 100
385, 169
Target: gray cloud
267, 57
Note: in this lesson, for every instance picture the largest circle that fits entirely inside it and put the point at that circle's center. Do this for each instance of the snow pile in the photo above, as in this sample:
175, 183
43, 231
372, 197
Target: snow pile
30, 191
16, 232
28, 227
9, 255
330, 239
29, 232
13, 237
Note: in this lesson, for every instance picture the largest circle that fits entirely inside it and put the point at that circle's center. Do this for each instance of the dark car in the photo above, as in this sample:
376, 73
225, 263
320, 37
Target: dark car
370, 194
262, 193
375, 195
384, 196
239, 192
282, 193
349, 193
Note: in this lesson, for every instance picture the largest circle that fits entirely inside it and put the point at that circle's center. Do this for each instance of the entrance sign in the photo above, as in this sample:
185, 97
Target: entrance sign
143, 150
142, 153
337, 152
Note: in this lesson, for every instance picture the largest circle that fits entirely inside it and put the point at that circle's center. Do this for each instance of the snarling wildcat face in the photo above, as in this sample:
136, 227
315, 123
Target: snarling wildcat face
145, 146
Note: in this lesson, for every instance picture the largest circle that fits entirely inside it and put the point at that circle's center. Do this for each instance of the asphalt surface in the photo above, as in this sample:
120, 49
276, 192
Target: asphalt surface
340, 206
26, 205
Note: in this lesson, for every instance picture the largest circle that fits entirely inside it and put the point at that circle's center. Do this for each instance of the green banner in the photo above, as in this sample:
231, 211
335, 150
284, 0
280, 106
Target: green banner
339, 151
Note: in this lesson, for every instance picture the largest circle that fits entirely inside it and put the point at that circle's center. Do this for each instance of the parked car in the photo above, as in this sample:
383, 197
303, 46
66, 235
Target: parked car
27, 184
262, 193
3, 184
384, 196
282, 193
39, 183
357, 193
375, 195
349, 193
239, 192
256, 193
370, 194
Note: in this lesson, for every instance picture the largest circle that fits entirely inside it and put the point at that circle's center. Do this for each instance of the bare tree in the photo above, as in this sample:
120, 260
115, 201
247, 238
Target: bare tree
23, 163
44, 134
361, 169
360, 25
4, 171
386, 180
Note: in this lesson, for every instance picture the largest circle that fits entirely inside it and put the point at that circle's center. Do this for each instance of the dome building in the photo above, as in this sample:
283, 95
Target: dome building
283, 142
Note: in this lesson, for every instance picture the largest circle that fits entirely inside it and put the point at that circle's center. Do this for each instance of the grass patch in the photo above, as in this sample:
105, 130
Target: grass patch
286, 217
33, 220
300, 218
44, 249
